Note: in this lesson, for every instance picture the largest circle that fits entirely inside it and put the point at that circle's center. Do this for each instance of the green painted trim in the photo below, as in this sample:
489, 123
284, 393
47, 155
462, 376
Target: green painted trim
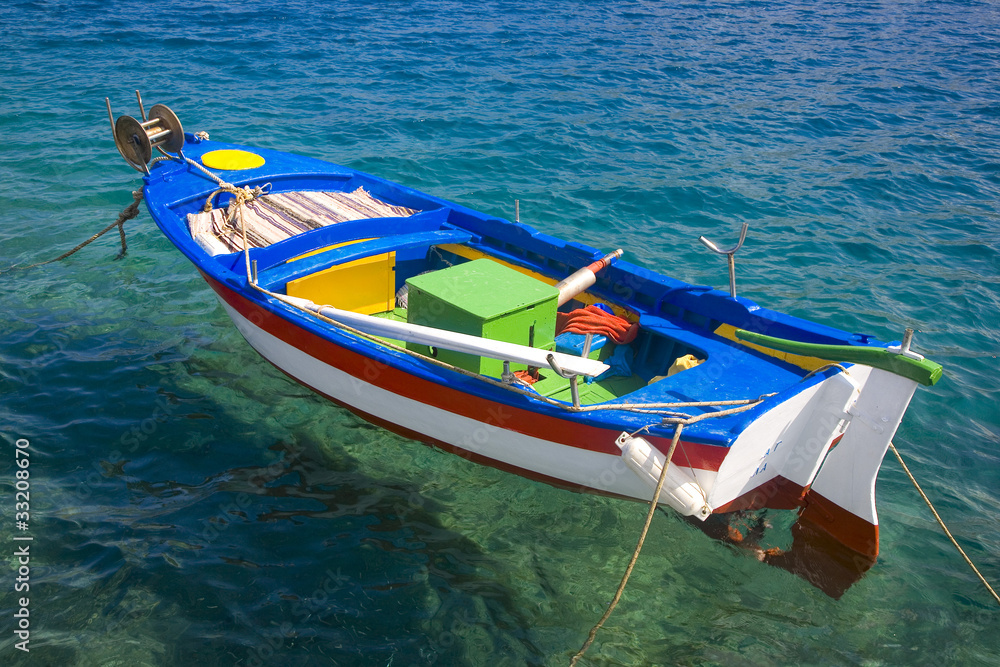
924, 371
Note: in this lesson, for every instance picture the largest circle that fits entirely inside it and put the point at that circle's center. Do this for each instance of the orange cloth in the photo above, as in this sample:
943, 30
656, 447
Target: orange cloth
596, 321
526, 377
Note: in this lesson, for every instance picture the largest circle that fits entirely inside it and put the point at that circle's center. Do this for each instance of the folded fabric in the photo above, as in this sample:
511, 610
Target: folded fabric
273, 218
620, 363
597, 321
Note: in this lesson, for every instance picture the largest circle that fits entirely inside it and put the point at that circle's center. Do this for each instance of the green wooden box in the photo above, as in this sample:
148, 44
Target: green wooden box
486, 299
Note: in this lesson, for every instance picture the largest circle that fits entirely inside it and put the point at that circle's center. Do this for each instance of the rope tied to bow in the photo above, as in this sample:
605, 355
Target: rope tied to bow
129, 212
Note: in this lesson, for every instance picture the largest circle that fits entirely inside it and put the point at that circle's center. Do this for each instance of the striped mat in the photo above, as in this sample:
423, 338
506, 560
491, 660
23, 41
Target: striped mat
273, 218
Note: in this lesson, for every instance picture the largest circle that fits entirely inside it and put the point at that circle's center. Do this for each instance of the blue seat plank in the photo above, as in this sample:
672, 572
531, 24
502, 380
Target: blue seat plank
341, 232
695, 339
276, 277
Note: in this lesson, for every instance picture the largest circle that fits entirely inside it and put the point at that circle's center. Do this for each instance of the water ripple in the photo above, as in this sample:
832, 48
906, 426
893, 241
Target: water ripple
859, 140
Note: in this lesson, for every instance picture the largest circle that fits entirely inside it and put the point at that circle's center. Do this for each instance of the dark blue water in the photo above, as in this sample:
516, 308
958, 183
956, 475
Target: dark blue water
190, 505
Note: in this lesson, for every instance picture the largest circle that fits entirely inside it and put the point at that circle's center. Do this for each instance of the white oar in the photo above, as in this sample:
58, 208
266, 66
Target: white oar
449, 340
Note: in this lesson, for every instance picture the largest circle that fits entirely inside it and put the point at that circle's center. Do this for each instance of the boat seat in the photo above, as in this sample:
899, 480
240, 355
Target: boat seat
730, 372
276, 217
277, 277
353, 230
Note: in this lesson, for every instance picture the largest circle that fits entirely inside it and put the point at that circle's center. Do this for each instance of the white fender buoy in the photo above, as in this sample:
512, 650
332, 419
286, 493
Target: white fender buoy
680, 490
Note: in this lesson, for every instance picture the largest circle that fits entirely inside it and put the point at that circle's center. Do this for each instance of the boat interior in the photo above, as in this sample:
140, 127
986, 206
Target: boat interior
449, 268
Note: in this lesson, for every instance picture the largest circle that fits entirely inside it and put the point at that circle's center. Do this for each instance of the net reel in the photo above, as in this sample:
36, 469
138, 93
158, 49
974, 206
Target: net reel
136, 140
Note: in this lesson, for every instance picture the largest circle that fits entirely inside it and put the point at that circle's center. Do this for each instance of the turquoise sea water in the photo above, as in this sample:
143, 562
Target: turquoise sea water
190, 505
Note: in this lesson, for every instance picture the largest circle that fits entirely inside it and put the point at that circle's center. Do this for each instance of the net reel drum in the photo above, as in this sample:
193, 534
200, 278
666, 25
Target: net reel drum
136, 140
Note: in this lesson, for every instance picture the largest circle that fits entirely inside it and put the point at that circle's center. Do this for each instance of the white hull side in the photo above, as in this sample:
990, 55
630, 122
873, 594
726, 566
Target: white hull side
789, 441
576, 467
848, 476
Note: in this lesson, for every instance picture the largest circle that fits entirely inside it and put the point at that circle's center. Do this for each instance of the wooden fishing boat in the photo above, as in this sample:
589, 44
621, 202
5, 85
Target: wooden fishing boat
534, 355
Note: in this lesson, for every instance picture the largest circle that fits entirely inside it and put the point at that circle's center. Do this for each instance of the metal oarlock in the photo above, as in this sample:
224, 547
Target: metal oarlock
574, 388
136, 140
729, 255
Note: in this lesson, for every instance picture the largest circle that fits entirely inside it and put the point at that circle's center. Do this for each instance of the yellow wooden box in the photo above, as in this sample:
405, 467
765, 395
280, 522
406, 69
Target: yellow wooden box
366, 285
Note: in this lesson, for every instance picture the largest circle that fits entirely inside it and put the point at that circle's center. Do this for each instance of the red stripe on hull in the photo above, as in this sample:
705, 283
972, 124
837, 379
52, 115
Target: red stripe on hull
543, 427
776, 494
464, 453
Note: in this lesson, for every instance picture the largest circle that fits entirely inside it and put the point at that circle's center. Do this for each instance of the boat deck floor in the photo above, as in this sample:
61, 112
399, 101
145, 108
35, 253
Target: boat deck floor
554, 386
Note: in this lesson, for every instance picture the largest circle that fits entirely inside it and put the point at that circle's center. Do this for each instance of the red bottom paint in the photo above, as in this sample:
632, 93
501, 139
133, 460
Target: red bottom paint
820, 559
777, 494
844, 527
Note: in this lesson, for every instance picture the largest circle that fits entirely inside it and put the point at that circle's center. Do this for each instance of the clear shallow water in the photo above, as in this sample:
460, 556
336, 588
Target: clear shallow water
191, 504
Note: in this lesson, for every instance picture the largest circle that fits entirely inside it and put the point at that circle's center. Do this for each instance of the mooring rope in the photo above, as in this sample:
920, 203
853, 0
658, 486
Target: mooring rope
240, 194
215, 177
943, 526
128, 213
654, 503
638, 547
